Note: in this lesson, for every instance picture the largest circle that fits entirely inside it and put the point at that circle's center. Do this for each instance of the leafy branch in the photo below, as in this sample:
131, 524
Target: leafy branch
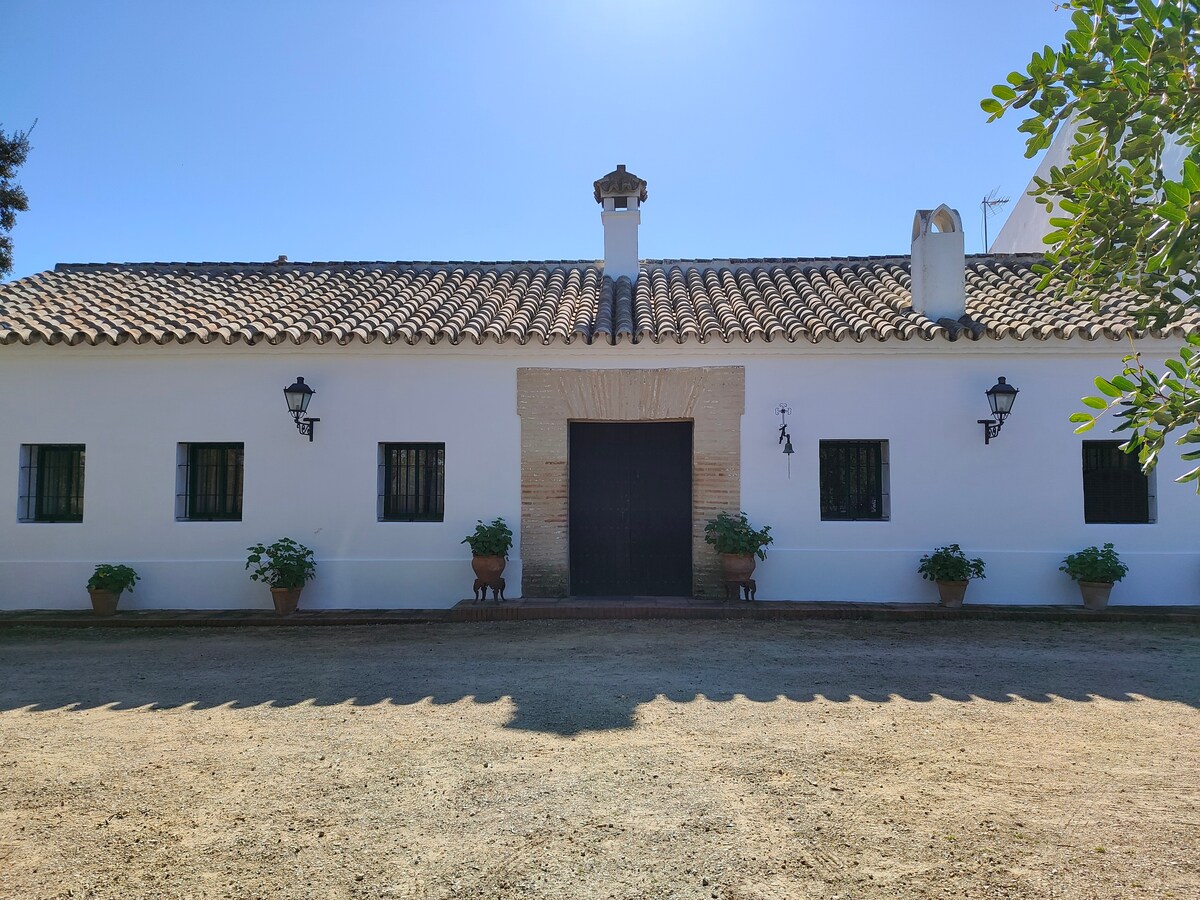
1124, 208
1153, 406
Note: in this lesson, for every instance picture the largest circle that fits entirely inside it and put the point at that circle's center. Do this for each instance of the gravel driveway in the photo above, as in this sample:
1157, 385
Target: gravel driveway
602, 759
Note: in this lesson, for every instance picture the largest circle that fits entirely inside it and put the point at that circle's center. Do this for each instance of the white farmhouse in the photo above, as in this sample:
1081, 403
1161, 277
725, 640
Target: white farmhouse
605, 409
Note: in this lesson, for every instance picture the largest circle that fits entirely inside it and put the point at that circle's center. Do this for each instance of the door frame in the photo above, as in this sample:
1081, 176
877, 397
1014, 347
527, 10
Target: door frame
712, 397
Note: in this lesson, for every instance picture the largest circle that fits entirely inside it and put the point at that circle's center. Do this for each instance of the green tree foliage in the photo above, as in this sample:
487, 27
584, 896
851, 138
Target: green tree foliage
13, 150
1124, 214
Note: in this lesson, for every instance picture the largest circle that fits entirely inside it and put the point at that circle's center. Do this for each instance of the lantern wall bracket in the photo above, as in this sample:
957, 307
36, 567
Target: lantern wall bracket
991, 428
305, 426
297, 396
1000, 397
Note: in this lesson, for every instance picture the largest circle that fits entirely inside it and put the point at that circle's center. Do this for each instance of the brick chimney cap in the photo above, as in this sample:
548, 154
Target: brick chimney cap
619, 183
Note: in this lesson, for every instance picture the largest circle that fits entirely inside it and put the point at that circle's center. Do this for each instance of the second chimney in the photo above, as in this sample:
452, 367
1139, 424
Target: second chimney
938, 264
620, 195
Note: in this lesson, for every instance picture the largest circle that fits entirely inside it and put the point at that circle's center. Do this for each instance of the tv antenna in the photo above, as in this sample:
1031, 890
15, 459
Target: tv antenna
988, 204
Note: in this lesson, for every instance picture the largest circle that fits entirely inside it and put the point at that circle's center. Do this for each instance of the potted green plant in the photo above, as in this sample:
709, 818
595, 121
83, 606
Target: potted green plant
489, 544
738, 543
107, 583
286, 567
1096, 570
949, 567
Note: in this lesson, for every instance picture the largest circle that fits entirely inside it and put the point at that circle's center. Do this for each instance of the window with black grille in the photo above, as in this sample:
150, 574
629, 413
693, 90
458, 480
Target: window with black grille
854, 480
1115, 490
209, 482
412, 482
51, 483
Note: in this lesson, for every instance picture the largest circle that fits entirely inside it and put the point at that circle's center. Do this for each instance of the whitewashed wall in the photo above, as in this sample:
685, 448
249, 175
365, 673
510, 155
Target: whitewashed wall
1017, 502
131, 406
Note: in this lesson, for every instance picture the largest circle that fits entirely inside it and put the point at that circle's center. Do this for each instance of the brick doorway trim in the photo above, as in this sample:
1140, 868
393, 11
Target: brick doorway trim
712, 398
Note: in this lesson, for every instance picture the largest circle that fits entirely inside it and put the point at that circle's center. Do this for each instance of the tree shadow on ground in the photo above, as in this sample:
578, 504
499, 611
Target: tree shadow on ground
569, 677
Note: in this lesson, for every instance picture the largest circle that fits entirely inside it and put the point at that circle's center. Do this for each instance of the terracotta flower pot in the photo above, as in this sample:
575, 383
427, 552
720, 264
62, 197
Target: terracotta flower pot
104, 603
1095, 593
950, 593
488, 568
737, 566
285, 599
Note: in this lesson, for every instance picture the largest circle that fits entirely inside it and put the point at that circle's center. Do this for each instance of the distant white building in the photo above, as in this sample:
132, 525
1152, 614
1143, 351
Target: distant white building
606, 409
1029, 220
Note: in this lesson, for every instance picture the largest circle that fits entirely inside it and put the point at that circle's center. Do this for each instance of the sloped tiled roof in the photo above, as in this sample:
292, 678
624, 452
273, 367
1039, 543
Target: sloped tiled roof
673, 301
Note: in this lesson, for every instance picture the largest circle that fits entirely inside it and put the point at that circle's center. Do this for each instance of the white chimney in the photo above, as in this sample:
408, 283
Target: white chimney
620, 195
938, 264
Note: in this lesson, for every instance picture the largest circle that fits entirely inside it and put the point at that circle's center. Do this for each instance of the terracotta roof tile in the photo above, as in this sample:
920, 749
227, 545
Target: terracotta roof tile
673, 301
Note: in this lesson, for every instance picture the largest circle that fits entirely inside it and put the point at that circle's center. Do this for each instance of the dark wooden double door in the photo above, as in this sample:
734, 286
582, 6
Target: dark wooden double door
631, 509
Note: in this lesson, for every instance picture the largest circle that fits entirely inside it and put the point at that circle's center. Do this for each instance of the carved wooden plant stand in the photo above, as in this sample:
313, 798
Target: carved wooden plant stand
734, 589
488, 570
481, 587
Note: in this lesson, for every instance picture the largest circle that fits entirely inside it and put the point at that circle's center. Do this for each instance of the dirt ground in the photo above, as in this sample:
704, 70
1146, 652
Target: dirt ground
602, 759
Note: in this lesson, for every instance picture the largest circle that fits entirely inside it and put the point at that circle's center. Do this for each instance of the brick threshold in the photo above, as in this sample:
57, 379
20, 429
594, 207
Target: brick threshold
683, 608
593, 608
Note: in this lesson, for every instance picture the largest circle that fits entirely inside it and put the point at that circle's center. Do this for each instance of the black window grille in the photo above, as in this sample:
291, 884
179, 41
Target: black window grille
412, 482
52, 483
853, 480
210, 482
1115, 490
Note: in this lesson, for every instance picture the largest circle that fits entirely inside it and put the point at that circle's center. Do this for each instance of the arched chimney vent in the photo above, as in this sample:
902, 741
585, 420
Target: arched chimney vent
938, 264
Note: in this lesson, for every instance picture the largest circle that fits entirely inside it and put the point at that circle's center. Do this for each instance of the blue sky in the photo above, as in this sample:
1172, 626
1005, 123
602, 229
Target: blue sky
473, 130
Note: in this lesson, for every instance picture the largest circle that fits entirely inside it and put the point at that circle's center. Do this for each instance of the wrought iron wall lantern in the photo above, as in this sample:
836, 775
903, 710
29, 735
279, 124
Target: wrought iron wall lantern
1000, 398
783, 411
297, 396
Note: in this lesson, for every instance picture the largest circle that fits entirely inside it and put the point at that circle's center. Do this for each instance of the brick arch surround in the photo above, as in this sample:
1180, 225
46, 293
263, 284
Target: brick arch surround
713, 398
